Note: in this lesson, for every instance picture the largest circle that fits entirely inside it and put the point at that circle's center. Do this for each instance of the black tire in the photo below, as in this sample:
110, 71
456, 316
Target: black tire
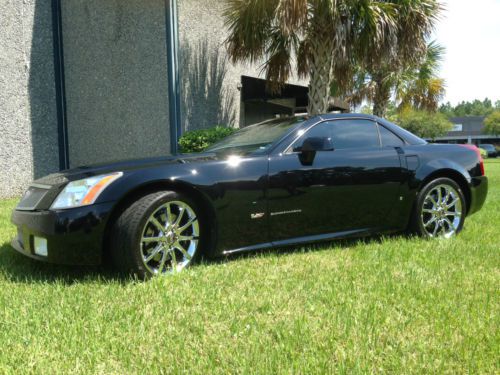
416, 221
127, 232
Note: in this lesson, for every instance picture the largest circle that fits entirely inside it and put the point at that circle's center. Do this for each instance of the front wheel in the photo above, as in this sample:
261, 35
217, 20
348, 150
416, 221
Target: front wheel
440, 209
159, 233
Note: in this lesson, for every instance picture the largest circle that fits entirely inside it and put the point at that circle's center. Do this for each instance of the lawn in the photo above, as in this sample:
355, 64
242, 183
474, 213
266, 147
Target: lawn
391, 305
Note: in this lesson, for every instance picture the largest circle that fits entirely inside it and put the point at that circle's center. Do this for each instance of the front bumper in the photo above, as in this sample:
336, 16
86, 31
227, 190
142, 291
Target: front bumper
74, 236
479, 191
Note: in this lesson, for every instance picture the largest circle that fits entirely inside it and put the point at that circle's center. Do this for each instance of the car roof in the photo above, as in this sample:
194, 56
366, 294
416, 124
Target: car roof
331, 116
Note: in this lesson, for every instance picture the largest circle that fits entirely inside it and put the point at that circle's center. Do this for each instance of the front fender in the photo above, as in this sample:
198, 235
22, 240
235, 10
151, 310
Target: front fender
134, 180
135, 183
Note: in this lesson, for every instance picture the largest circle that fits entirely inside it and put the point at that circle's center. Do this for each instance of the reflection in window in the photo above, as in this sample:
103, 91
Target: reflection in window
346, 133
388, 138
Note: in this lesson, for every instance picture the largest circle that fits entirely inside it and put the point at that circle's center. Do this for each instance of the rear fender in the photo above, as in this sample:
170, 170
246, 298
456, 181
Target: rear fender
438, 165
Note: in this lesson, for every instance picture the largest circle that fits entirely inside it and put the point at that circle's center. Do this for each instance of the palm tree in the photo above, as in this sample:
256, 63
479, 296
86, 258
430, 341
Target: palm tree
421, 88
323, 38
418, 86
416, 20
328, 38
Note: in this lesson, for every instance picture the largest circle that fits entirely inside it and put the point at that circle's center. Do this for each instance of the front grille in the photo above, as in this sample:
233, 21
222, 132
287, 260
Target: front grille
31, 198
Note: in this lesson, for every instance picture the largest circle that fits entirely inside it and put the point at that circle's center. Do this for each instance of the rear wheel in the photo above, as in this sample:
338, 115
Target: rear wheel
440, 209
158, 234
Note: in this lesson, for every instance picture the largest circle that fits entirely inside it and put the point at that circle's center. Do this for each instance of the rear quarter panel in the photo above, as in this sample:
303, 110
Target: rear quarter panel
435, 159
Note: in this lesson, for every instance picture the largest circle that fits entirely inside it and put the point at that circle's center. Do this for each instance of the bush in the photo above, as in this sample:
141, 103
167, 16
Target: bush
424, 124
483, 152
492, 124
199, 140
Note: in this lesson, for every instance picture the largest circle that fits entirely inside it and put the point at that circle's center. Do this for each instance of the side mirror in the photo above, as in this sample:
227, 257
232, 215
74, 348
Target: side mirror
312, 145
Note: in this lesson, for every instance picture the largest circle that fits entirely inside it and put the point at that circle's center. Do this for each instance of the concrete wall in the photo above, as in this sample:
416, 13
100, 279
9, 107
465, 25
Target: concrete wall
116, 79
202, 22
471, 125
28, 126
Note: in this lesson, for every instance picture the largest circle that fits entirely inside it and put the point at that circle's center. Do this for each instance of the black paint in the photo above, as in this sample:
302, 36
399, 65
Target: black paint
342, 193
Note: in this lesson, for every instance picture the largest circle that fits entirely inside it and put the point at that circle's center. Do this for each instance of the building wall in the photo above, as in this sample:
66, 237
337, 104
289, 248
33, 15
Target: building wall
116, 79
471, 125
202, 21
28, 126
472, 131
202, 34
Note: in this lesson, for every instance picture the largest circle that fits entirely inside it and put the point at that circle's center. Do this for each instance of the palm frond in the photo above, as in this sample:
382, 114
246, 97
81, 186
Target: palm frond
249, 23
278, 66
292, 15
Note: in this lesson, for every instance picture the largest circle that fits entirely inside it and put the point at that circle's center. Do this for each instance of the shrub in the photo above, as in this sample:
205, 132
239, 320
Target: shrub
199, 140
492, 123
483, 152
424, 124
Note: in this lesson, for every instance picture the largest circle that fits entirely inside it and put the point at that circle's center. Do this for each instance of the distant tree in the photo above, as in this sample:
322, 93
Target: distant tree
492, 123
447, 109
423, 123
473, 108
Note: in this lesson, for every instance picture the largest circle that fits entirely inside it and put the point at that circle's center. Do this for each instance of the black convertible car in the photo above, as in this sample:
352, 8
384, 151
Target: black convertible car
281, 182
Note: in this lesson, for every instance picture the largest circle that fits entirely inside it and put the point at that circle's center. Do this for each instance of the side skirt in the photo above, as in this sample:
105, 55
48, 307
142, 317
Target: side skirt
305, 239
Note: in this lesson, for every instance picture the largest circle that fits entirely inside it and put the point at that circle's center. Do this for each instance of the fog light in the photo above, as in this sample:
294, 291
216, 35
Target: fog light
41, 246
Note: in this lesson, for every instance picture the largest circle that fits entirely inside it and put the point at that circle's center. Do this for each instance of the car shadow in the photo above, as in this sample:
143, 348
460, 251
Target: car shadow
18, 268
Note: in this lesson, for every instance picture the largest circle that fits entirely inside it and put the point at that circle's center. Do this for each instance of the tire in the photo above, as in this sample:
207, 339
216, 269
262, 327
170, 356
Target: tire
432, 217
144, 243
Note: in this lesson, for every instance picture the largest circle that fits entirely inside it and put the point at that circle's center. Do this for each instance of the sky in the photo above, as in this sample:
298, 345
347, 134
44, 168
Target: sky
470, 32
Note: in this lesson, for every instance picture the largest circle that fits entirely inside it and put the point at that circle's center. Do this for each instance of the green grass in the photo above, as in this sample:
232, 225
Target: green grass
392, 305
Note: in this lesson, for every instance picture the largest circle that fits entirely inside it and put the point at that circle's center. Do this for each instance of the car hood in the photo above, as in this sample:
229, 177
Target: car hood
123, 165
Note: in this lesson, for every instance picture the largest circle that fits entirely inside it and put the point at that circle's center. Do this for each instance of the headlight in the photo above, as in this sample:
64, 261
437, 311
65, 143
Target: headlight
84, 192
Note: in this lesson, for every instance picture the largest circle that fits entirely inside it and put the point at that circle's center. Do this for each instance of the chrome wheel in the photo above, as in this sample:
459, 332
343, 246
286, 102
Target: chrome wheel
170, 238
442, 211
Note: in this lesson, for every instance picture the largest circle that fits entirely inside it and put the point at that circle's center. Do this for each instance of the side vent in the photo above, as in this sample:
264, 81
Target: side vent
412, 162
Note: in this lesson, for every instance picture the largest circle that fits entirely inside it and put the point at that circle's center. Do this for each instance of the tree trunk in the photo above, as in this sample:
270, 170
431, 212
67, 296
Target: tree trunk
382, 96
320, 75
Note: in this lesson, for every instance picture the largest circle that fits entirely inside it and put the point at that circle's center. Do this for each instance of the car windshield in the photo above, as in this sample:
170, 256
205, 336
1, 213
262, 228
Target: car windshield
256, 138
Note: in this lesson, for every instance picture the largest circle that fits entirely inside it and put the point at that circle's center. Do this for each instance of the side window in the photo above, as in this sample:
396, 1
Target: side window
388, 138
322, 130
354, 134
345, 134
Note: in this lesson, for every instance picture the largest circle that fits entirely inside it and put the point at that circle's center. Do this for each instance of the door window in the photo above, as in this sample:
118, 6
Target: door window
345, 134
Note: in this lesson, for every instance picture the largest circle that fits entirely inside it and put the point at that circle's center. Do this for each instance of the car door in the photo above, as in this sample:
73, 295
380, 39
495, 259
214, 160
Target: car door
355, 186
